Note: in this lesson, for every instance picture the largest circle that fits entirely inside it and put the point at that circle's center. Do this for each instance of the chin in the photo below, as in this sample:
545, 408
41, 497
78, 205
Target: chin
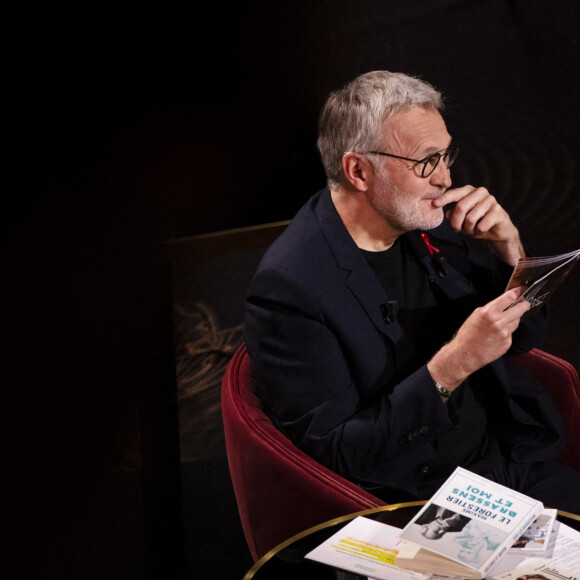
432, 222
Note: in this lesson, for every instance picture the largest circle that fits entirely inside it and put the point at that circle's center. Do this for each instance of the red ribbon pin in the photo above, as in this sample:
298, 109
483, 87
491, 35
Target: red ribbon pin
430, 247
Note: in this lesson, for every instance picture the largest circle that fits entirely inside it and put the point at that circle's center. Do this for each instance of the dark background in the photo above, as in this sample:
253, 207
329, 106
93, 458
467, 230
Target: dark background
127, 125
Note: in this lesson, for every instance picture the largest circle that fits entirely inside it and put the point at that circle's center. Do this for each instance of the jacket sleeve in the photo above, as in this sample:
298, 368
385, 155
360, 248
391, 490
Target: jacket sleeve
306, 382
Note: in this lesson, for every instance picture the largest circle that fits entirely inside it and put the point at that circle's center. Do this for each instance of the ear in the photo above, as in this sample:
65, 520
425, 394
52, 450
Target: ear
357, 170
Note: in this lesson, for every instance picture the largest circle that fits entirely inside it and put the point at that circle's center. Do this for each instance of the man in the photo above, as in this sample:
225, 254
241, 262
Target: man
377, 323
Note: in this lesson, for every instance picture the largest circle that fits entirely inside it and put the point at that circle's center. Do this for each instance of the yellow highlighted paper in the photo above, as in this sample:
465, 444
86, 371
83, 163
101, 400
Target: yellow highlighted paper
371, 551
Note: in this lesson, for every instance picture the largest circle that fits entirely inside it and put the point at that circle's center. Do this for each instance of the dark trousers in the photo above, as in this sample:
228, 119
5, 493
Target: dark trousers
555, 485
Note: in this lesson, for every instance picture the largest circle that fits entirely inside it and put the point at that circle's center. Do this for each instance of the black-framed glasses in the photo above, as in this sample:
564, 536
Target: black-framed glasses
429, 164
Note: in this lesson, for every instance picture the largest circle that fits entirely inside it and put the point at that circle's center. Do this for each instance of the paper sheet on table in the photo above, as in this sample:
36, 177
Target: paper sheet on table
365, 547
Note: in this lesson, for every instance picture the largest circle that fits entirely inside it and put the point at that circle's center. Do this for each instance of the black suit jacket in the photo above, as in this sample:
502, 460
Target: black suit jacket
325, 354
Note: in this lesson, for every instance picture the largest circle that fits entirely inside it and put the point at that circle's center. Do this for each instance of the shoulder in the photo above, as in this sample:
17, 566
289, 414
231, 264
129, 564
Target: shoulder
314, 239
302, 234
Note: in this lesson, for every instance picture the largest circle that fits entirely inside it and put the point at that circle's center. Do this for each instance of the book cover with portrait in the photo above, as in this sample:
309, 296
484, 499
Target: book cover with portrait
466, 527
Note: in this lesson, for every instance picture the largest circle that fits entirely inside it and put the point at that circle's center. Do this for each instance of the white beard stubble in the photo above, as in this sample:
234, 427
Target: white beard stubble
402, 211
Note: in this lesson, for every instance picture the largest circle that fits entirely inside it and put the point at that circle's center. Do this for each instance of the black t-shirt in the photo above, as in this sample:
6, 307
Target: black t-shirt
428, 323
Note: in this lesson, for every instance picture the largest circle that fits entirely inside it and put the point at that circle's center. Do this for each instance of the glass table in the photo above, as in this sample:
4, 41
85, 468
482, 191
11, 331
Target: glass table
286, 561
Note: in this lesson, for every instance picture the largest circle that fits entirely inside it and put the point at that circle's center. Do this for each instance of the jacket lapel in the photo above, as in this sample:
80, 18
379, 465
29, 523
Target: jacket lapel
360, 278
445, 279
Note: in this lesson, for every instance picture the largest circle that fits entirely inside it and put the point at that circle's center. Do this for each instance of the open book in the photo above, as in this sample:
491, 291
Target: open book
541, 276
466, 527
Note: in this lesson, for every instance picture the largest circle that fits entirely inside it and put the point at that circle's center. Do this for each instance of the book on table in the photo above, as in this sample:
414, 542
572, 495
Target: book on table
466, 527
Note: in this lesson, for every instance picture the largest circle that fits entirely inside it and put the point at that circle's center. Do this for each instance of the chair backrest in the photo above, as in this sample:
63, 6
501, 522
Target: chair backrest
280, 490
560, 379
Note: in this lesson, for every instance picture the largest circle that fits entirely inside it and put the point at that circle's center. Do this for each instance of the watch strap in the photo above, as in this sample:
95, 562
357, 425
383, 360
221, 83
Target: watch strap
445, 393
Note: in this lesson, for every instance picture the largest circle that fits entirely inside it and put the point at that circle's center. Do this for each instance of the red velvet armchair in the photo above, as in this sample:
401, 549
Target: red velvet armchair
281, 491
560, 379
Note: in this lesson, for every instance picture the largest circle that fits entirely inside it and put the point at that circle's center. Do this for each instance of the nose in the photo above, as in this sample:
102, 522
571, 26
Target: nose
441, 177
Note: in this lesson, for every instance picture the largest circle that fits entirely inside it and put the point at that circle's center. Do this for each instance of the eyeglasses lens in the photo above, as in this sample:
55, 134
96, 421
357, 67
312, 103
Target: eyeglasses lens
451, 155
430, 164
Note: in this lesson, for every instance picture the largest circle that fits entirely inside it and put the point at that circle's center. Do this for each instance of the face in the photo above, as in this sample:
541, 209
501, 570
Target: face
433, 530
398, 193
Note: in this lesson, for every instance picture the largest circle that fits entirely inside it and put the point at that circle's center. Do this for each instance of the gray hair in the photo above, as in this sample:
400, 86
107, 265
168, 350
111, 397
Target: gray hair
351, 119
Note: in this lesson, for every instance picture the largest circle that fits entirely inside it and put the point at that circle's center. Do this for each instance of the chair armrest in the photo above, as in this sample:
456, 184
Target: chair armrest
560, 379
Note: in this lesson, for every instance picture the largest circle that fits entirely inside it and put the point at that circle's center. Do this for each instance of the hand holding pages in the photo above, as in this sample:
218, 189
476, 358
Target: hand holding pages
541, 276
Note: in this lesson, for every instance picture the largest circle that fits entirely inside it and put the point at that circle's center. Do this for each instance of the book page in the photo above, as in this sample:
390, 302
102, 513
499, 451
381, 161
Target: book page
537, 571
566, 554
541, 276
535, 540
365, 547
563, 551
